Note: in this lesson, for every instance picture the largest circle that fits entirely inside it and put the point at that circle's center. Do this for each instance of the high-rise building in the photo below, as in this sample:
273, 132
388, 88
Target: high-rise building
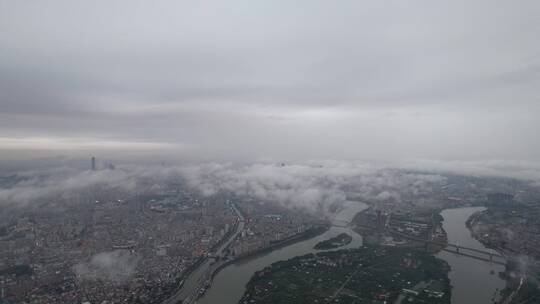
3, 292
500, 199
93, 163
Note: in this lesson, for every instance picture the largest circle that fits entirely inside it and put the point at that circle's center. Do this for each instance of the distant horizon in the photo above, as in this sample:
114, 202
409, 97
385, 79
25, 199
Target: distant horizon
525, 170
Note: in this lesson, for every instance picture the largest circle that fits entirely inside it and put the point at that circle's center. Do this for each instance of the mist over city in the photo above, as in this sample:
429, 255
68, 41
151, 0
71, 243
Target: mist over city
269, 152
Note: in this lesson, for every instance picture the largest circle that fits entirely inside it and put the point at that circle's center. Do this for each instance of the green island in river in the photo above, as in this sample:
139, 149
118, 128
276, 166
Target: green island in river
364, 275
338, 241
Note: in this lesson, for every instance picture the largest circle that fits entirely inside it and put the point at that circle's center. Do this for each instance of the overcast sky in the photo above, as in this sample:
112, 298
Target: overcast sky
271, 79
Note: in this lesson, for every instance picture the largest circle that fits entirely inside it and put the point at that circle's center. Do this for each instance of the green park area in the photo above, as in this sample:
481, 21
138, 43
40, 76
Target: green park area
339, 240
365, 275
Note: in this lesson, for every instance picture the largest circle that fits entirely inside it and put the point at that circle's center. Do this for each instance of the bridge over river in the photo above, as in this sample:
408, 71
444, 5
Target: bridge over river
483, 255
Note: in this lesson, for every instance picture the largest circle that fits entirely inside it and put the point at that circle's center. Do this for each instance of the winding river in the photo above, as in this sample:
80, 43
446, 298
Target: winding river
473, 281
229, 284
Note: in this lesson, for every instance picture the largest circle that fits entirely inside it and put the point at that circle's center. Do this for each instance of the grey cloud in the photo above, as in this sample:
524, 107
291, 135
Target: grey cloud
311, 186
524, 170
317, 186
66, 183
249, 80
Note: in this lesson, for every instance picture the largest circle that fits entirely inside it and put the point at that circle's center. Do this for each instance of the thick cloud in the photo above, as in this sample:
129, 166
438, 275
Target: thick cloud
249, 80
318, 186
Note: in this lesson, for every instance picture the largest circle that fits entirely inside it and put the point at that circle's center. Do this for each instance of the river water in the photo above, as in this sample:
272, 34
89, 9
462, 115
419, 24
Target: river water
229, 284
471, 279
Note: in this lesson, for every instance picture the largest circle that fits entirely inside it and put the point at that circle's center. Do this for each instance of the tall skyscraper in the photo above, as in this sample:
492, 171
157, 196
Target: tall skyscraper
93, 163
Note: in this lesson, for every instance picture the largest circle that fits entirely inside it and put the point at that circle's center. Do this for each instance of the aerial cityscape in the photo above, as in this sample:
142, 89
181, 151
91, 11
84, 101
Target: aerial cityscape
269, 152
118, 235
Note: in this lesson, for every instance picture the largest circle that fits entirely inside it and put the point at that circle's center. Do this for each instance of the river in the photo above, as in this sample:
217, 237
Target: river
471, 279
189, 290
229, 284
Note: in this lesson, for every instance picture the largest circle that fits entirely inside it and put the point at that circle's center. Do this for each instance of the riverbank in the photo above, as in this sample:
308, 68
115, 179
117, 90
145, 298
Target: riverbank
229, 283
447, 226
521, 271
467, 272
386, 274
476, 233
423, 231
310, 233
340, 240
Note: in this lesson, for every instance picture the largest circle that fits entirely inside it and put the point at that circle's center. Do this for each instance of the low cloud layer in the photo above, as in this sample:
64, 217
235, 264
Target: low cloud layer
315, 186
115, 266
65, 184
